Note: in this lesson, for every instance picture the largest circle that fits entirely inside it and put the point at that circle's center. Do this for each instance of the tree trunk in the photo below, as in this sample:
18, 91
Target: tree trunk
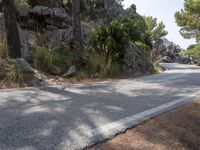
77, 35
12, 34
0, 6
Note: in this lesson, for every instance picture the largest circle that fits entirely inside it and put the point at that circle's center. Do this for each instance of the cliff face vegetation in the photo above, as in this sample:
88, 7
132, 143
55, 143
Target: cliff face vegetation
87, 39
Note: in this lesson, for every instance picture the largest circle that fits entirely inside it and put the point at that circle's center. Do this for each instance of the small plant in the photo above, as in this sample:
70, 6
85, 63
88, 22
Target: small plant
194, 51
44, 59
21, 3
15, 73
3, 50
100, 65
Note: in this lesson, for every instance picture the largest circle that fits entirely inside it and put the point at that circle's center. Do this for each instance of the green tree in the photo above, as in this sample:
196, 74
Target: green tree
155, 30
189, 19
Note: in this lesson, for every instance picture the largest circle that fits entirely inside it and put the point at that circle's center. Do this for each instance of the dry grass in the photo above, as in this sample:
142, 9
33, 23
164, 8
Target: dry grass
175, 130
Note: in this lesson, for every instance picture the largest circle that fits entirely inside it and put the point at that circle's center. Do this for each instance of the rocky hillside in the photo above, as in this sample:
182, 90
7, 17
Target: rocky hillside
172, 53
49, 24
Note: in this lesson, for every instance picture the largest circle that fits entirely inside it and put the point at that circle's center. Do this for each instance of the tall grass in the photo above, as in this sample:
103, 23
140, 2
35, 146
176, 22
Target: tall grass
14, 73
44, 59
3, 50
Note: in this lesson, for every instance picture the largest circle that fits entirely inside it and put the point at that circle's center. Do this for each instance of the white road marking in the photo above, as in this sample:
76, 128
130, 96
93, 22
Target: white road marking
111, 129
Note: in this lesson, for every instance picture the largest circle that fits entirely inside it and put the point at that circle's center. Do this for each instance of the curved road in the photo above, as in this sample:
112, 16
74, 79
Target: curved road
79, 115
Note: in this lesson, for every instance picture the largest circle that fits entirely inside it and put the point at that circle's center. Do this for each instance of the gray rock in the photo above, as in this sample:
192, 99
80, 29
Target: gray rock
31, 37
25, 66
136, 61
24, 45
55, 36
166, 59
70, 72
56, 70
52, 16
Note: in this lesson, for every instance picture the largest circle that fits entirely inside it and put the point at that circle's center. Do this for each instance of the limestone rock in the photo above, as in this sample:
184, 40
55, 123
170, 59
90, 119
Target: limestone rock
56, 70
25, 47
136, 61
25, 66
53, 16
70, 72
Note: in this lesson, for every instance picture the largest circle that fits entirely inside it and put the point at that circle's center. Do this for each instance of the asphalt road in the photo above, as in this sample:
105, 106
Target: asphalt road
79, 115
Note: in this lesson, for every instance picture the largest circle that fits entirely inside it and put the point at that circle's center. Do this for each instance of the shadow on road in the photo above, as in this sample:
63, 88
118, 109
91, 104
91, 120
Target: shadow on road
51, 118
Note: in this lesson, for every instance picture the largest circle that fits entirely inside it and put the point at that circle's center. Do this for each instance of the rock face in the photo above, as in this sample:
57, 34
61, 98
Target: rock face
170, 52
70, 72
136, 61
52, 20
30, 75
25, 66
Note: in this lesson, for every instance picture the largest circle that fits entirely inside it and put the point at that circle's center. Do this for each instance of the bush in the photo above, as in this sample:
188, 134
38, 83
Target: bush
21, 3
194, 51
106, 50
15, 73
44, 59
101, 65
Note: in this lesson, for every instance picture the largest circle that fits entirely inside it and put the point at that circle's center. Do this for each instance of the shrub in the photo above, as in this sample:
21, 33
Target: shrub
101, 65
15, 73
107, 45
106, 50
44, 59
21, 3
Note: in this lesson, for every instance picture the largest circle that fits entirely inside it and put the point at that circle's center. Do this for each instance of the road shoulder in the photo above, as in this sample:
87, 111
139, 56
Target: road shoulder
177, 129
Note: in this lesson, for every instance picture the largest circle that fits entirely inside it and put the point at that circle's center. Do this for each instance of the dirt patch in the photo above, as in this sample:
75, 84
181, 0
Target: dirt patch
178, 129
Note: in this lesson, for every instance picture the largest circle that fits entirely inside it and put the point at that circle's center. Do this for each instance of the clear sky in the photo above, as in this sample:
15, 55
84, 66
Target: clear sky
163, 10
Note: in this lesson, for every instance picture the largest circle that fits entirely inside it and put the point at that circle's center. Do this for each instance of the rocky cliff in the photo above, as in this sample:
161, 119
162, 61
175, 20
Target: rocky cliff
51, 23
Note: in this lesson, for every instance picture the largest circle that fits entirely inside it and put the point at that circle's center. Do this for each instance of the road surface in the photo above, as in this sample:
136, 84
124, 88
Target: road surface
80, 115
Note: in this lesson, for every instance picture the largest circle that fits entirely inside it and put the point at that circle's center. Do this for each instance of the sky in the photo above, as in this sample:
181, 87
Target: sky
163, 10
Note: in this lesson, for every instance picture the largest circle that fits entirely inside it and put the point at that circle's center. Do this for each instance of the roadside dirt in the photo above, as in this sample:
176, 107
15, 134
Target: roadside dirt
175, 130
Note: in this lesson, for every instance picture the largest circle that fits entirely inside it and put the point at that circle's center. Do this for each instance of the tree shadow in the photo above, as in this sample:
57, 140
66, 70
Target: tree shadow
53, 118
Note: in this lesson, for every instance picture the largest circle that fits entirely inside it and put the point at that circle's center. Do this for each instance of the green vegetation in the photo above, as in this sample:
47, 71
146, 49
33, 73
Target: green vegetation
96, 46
14, 73
21, 3
155, 31
189, 20
194, 51
45, 59
3, 50
107, 45
109, 42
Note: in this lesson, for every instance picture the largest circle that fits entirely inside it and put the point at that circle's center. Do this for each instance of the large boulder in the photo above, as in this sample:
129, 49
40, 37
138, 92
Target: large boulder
56, 16
25, 66
24, 44
169, 52
70, 72
136, 61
